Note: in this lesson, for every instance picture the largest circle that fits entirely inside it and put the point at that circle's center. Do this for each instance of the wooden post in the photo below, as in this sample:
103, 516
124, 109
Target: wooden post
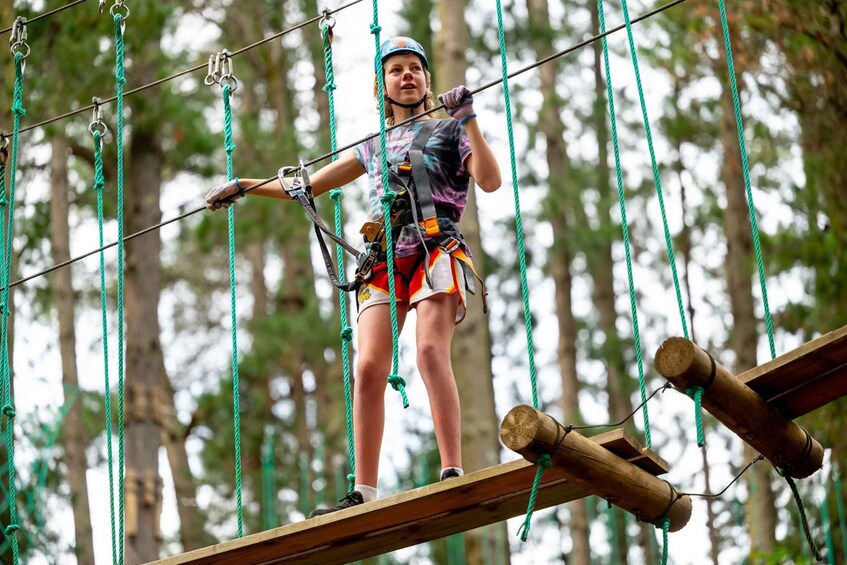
531, 433
788, 446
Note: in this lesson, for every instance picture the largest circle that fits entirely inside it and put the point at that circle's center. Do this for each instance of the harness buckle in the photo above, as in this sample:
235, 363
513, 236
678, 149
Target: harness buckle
405, 169
450, 245
430, 226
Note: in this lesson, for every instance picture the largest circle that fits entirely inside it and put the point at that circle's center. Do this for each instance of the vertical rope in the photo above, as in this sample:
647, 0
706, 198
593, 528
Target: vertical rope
120, 81
7, 401
269, 518
656, 177
625, 227
697, 394
394, 379
745, 167
839, 505
666, 524
99, 184
346, 331
229, 147
533, 373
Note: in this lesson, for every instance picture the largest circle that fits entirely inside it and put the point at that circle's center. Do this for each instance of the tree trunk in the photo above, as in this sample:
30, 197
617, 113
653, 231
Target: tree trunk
144, 360
73, 438
472, 343
743, 336
559, 169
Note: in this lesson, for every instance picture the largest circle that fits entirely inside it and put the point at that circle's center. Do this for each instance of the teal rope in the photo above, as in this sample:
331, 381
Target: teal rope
696, 393
120, 81
7, 401
745, 167
229, 147
346, 332
803, 520
666, 524
625, 228
533, 374
394, 379
839, 505
826, 524
544, 462
656, 176
99, 184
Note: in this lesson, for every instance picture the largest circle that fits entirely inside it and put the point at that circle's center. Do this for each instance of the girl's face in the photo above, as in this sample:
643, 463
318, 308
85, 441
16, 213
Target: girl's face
405, 79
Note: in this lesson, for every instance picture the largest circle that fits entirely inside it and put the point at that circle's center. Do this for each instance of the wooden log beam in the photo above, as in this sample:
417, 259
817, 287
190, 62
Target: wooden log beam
531, 433
781, 441
805, 378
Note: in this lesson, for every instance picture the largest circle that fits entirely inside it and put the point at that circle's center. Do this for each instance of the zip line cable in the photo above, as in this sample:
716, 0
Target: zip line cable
195, 68
338, 151
45, 15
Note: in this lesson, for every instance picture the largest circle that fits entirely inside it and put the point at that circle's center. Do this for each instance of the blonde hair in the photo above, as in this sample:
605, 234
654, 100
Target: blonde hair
429, 101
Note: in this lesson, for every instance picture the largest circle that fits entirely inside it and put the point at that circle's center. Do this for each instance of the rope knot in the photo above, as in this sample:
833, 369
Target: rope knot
375, 29
335, 193
99, 185
545, 461
11, 529
229, 147
399, 384
388, 197
3, 201
9, 411
347, 333
329, 86
18, 109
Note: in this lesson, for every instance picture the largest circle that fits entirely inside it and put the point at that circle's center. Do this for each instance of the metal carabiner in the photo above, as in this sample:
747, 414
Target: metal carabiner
210, 73
97, 124
227, 76
327, 23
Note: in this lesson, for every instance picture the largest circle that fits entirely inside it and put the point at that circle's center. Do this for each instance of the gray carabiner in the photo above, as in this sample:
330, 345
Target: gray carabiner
97, 124
210, 73
116, 10
227, 75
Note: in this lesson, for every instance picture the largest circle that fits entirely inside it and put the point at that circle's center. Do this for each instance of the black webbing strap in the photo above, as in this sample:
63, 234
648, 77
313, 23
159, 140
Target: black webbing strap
423, 192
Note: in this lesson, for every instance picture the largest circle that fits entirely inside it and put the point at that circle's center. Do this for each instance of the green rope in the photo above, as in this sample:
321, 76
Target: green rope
826, 524
544, 462
666, 524
229, 147
99, 184
839, 505
269, 517
346, 331
394, 379
120, 81
6, 399
745, 167
696, 393
803, 520
625, 228
533, 374
656, 176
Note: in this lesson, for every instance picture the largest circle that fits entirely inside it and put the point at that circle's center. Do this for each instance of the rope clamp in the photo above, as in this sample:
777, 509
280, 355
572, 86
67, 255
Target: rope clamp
97, 124
227, 76
17, 40
115, 10
327, 23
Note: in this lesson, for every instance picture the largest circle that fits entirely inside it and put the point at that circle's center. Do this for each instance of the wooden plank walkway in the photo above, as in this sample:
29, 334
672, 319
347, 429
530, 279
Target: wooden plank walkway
805, 378
417, 516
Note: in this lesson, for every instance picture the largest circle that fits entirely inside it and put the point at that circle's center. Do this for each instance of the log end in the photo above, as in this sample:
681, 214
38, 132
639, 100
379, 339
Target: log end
520, 428
680, 513
675, 357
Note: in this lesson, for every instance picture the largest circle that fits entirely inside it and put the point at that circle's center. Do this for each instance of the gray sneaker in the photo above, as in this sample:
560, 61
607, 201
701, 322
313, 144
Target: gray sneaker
352, 499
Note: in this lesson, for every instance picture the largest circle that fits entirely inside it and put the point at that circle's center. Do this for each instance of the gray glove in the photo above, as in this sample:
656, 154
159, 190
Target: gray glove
224, 195
458, 103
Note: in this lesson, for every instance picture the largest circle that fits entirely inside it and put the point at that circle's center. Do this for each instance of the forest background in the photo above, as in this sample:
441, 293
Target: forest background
791, 65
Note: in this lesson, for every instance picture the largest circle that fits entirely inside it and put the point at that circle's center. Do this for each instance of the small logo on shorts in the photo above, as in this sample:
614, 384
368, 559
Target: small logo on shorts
364, 295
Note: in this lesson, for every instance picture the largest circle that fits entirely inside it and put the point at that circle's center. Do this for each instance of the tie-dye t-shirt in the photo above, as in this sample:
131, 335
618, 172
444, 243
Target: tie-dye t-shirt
444, 157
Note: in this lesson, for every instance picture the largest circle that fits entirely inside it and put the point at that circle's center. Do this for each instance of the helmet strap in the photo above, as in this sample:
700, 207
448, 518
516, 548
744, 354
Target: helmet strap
408, 106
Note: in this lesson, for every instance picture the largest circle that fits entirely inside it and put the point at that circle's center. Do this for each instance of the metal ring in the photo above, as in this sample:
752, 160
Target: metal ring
18, 46
117, 6
327, 20
231, 81
99, 126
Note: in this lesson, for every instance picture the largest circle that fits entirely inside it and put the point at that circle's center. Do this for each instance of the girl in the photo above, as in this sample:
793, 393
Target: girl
431, 260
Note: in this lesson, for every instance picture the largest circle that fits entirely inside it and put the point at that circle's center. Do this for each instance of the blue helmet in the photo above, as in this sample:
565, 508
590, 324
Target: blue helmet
401, 44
